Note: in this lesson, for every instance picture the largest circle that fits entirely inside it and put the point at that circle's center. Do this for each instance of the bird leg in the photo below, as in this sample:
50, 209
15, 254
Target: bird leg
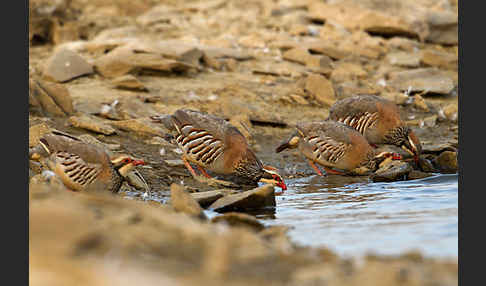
201, 169
188, 166
331, 171
315, 168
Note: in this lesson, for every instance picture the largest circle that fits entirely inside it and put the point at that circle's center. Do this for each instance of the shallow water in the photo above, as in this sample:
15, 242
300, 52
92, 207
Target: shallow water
354, 216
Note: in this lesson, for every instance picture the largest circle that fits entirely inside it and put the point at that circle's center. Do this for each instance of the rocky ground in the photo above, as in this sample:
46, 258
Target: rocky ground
99, 69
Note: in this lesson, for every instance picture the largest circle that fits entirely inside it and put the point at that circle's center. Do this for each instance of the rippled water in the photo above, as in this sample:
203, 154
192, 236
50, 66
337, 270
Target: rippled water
353, 216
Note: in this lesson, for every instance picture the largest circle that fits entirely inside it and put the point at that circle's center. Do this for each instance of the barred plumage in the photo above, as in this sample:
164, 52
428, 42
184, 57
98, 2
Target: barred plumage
377, 119
81, 166
334, 145
212, 143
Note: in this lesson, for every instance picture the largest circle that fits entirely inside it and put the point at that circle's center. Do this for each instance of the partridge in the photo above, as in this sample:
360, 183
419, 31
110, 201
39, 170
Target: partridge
82, 166
212, 143
337, 147
378, 120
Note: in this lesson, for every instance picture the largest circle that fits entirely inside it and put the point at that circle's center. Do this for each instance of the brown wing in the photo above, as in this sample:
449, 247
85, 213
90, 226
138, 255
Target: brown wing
360, 112
329, 140
73, 170
201, 135
360, 122
61, 142
327, 148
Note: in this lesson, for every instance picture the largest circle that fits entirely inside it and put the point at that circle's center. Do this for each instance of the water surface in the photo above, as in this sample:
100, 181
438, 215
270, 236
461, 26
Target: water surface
354, 216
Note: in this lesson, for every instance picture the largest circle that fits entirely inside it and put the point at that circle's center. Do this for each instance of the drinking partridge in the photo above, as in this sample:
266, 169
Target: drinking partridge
212, 143
378, 119
82, 166
335, 145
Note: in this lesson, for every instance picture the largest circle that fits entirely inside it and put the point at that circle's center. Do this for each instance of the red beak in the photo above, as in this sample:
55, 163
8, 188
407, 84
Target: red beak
138, 162
282, 186
396, 156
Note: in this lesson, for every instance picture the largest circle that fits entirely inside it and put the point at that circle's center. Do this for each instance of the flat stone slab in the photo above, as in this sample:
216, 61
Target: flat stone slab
123, 60
139, 125
65, 65
250, 200
205, 199
394, 171
91, 123
427, 80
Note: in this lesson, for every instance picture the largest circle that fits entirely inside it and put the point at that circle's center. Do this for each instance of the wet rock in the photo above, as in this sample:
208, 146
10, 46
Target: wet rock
65, 65
414, 174
91, 123
239, 220
207, 198
394, 171
425, 165
446, 162
183, 202
404, 59
443, 27
52, 98
128, 82
123, 60
274, 231
426, 80
253, 199
36, 132
321, 89
439, 59
138, 125
432, 148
